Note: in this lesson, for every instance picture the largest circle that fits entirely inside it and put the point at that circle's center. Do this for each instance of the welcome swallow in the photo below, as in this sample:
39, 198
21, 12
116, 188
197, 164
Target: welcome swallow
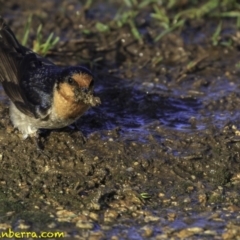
42, 95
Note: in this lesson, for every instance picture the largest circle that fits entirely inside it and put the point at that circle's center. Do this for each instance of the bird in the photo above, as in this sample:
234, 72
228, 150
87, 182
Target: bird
42, 95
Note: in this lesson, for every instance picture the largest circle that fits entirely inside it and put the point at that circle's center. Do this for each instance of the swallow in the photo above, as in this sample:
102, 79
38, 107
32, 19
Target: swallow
42, 95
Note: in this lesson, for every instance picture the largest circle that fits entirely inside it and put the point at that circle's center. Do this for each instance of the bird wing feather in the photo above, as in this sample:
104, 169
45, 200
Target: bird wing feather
15, 61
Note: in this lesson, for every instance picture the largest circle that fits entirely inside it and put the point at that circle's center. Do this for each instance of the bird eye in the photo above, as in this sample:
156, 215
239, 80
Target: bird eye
70, 80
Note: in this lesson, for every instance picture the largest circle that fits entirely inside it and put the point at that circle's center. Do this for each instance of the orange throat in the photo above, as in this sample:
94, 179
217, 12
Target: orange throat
65, 105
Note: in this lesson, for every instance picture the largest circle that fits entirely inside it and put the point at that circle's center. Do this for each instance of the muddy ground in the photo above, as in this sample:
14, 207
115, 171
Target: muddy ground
161, 154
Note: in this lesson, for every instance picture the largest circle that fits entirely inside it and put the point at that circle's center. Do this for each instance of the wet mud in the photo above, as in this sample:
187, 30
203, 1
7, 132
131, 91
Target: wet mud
158, 158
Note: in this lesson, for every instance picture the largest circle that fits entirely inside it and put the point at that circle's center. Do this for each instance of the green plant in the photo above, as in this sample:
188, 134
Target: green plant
42, 47
39, 45
145, 196
26, 31
216, 35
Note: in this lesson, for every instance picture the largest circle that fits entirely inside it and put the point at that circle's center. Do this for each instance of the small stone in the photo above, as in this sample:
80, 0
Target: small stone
210, 232
190, 189
162, 236
85, 224
147, 231
193, 177
114, 238
110, 215
96, 235
187, 200
94, 216
174, 203
85, 212
65, 216
237, 133
130, 169
134, 214
214, 216
22, 225
166, 201
57, 208
106, 227
10, 213
94, 206
161, 195
4, 226
188, 232
10, 129
202, 198
171, 216
151, 218
52, 225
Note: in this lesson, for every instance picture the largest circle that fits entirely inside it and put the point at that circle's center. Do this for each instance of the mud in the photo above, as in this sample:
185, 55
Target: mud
159, 157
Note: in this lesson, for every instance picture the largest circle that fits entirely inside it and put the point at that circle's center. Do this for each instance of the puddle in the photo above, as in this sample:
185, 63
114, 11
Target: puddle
126, 107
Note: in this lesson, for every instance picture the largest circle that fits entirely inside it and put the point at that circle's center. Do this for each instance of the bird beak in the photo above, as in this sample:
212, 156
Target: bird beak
85, 89
84, 95
91, 86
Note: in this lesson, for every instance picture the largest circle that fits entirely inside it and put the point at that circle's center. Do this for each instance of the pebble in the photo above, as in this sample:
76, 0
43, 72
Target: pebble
96, 235
162, 236
94, 206
151, 218
4, 226
202, 198
210, 232
171, 216
10, 213
94, 216
161, 195
147, 231
52, 225
187, 200
114, 238
22, 225
110, 215
65, 215
188, 232
84, 224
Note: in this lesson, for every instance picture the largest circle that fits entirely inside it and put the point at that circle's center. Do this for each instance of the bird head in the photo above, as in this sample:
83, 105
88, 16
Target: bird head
76, 84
